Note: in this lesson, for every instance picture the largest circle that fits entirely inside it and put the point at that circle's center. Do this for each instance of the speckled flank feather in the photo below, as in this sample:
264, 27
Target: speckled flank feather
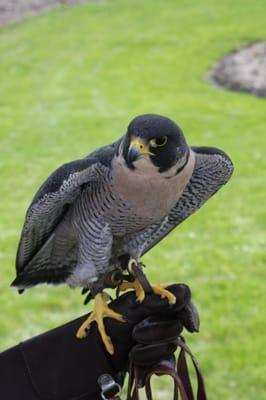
92, 211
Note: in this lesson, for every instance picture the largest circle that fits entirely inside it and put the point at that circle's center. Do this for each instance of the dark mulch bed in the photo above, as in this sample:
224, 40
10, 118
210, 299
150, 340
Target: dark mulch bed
15, 10
244, 70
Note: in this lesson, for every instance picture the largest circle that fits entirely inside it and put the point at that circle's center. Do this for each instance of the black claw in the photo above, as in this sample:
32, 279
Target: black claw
117, 292
88, 298
84, 291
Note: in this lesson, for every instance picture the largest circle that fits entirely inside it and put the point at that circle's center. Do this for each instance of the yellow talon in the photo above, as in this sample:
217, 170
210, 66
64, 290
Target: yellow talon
165, 294
100, 311
136, 285
140, 293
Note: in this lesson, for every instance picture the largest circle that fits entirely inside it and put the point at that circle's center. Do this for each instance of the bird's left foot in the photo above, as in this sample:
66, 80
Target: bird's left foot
136, 285
134, 270
140, 293
100, 311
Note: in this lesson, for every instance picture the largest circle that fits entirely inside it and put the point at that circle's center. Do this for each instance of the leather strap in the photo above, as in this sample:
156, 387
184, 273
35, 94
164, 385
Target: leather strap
178, 384
183, 370
137, 270
133, 381
178, 371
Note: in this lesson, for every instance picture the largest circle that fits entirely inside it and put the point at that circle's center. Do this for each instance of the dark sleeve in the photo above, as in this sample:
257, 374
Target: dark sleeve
55, 366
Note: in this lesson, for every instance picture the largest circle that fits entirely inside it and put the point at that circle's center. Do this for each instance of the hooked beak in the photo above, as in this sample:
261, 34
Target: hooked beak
137, 149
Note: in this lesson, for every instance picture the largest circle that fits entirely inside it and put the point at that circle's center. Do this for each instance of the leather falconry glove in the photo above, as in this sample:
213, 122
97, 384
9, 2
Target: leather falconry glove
57, 366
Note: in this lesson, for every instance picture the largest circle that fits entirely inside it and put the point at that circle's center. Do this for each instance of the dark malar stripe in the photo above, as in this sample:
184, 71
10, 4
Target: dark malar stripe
183, 166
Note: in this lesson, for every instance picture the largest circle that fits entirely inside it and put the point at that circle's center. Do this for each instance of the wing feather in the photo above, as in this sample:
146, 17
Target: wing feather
51, 202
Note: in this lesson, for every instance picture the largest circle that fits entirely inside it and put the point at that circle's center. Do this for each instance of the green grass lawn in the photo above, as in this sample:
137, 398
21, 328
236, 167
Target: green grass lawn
71, 80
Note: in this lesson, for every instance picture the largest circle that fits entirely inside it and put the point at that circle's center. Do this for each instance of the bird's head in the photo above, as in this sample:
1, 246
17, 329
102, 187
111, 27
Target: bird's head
157, 140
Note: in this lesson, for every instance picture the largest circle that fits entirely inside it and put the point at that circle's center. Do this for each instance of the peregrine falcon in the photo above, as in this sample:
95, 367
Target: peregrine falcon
117, 202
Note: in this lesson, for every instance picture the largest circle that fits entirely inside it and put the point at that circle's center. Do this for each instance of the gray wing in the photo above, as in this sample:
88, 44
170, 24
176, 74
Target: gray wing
213, 168
51, 203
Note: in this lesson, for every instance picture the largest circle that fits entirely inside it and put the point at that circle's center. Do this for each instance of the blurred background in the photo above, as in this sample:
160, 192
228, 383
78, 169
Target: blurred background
71, 80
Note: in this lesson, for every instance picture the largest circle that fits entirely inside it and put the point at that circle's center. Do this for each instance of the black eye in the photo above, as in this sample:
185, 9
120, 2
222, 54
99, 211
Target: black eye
158, 142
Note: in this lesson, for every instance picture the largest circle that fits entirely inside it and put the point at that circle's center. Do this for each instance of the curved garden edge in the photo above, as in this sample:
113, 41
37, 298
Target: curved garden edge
16, 10
243, 70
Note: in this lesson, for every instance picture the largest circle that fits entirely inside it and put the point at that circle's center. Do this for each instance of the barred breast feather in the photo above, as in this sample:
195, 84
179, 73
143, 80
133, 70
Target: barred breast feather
213, 168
